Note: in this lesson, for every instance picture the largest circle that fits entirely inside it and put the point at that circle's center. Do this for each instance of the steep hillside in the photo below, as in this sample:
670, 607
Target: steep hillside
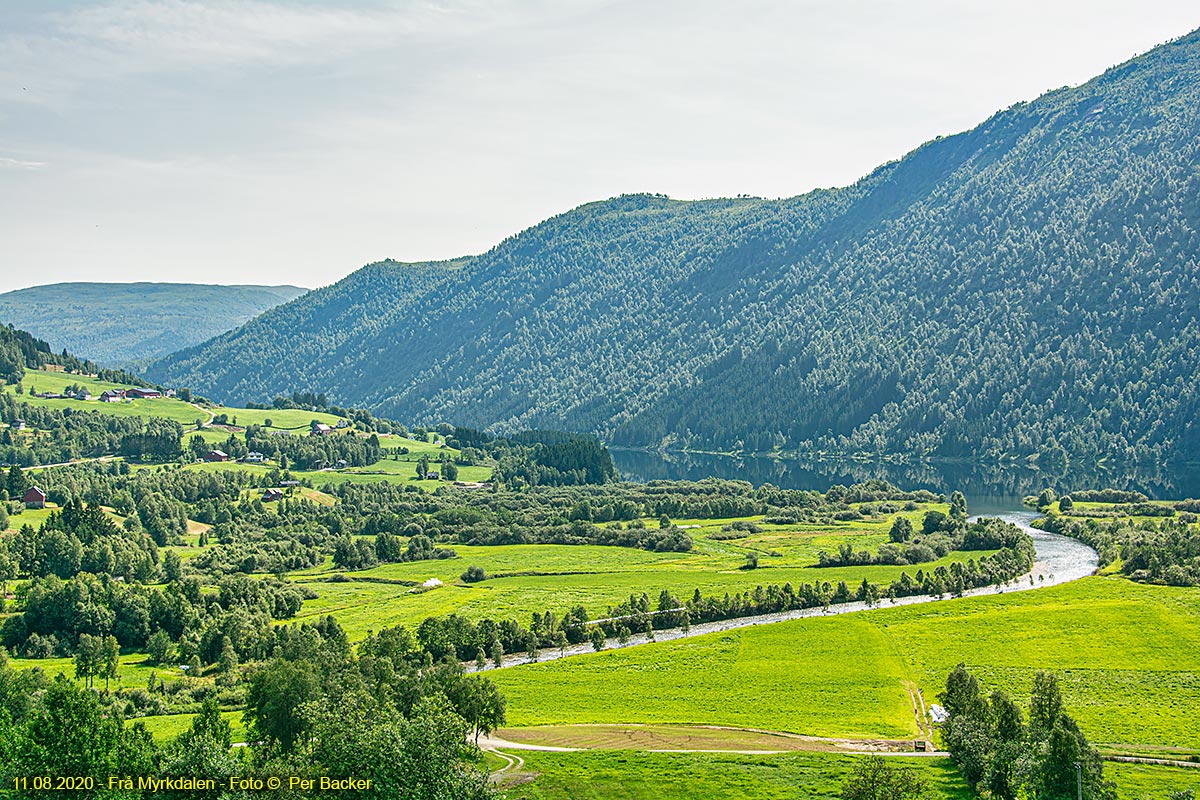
122, 323
1027, 288
20, 351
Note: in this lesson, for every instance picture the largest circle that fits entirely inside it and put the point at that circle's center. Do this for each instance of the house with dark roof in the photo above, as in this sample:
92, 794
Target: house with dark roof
271, 495
143, 393
112, 396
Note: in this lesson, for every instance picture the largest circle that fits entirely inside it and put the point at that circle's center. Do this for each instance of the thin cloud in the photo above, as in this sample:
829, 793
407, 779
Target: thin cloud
17, 163
156, 34
61, 53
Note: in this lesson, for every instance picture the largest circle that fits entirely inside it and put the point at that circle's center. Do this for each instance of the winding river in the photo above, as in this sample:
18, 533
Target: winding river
1059, 560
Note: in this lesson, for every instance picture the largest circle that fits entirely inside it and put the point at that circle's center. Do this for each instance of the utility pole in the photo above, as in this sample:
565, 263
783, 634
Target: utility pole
1079, 780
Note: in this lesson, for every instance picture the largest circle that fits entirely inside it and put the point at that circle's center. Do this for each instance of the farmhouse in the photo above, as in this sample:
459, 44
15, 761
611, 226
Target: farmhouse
340, 464
143, 393
271, 495
18, 425
289, 484
216, 455
321, 429
112, 396
253, 457
34, 498
82, 394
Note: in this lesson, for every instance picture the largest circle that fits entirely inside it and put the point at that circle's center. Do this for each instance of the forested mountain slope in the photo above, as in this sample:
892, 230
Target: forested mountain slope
122, 323
1029, 287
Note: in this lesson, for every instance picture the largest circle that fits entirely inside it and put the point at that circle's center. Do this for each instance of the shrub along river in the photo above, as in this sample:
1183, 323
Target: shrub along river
989, 492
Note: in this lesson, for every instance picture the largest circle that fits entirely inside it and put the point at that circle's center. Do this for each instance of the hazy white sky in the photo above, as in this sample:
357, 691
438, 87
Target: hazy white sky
249, 141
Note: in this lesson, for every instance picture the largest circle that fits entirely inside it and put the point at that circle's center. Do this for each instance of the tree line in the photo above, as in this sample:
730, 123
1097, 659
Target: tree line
1006, 754
315, 708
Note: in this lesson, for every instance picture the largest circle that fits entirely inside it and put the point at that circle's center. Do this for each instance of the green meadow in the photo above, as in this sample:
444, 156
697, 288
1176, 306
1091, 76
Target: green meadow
165, 407
632, 775
1128, 657
135, 669
34, 517
1150, 781
168, 726
402, 469
523, 579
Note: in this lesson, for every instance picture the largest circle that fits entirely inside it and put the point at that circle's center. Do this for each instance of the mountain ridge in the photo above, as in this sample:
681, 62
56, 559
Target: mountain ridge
999, 293
93, 318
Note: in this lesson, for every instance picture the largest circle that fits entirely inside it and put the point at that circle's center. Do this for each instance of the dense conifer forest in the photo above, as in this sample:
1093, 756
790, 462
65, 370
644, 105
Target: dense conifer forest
1026, 288
123, 323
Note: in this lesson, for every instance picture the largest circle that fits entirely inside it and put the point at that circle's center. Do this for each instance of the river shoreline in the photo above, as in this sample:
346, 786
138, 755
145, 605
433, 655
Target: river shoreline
1059, 560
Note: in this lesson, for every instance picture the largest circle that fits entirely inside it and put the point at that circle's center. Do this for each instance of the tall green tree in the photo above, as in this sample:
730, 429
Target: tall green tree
873, 778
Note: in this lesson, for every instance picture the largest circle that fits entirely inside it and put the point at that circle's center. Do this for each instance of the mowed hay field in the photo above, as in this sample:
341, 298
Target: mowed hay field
1128, 657
838, 677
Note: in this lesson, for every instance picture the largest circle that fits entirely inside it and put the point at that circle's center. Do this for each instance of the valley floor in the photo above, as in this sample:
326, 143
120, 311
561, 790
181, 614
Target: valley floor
1127, 655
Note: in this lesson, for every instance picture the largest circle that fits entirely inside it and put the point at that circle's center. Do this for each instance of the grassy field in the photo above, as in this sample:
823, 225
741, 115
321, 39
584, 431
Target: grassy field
187, 414
168, 726
135, 669
837, 677
629, 775
404, 472
527, 578
45, 382
395, 470
34, 517
1128, 657
1150, 782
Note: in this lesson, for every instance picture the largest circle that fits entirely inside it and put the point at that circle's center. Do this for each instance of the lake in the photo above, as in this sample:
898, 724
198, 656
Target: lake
989, 489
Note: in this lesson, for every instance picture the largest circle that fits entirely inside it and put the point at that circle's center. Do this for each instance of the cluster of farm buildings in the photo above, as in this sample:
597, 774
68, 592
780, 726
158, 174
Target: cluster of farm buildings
109, 396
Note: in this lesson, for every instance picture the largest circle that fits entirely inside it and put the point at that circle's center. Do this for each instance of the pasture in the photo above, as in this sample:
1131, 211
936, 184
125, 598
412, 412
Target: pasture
523, 579
1127, 655
166, 727
134, 670
403, 472
633, 775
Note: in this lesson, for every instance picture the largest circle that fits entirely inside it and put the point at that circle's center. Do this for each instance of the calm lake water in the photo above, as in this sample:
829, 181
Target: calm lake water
989, 489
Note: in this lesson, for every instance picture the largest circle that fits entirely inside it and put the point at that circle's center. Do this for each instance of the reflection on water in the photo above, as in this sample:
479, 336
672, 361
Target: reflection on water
989, 488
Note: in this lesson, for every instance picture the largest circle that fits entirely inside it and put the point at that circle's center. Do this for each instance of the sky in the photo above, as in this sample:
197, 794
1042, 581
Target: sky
252, 141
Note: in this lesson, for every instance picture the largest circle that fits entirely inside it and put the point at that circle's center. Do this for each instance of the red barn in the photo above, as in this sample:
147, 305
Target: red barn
34, 498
